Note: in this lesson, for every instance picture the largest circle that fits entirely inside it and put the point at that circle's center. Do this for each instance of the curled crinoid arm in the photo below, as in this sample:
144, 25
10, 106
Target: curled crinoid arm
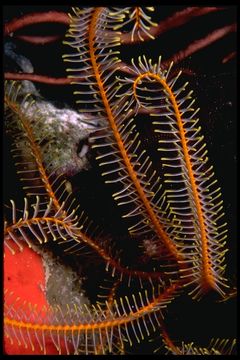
194, 200
37, 225
75, 234
87, 329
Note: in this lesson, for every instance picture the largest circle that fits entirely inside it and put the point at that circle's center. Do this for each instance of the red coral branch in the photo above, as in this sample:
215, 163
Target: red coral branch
40, 78
36, 18
59, 81
38, 40
229, 57
200, 44
176, 20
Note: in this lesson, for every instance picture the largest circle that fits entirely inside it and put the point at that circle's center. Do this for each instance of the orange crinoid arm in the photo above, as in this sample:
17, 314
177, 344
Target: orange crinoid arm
189, 184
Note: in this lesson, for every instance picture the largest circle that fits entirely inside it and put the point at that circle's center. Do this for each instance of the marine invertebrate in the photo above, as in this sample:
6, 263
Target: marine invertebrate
176, 212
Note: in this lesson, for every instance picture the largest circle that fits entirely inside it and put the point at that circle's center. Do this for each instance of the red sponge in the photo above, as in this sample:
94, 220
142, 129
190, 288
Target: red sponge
24, 276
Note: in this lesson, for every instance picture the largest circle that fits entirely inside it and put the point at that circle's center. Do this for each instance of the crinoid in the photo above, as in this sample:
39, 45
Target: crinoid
148, 231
